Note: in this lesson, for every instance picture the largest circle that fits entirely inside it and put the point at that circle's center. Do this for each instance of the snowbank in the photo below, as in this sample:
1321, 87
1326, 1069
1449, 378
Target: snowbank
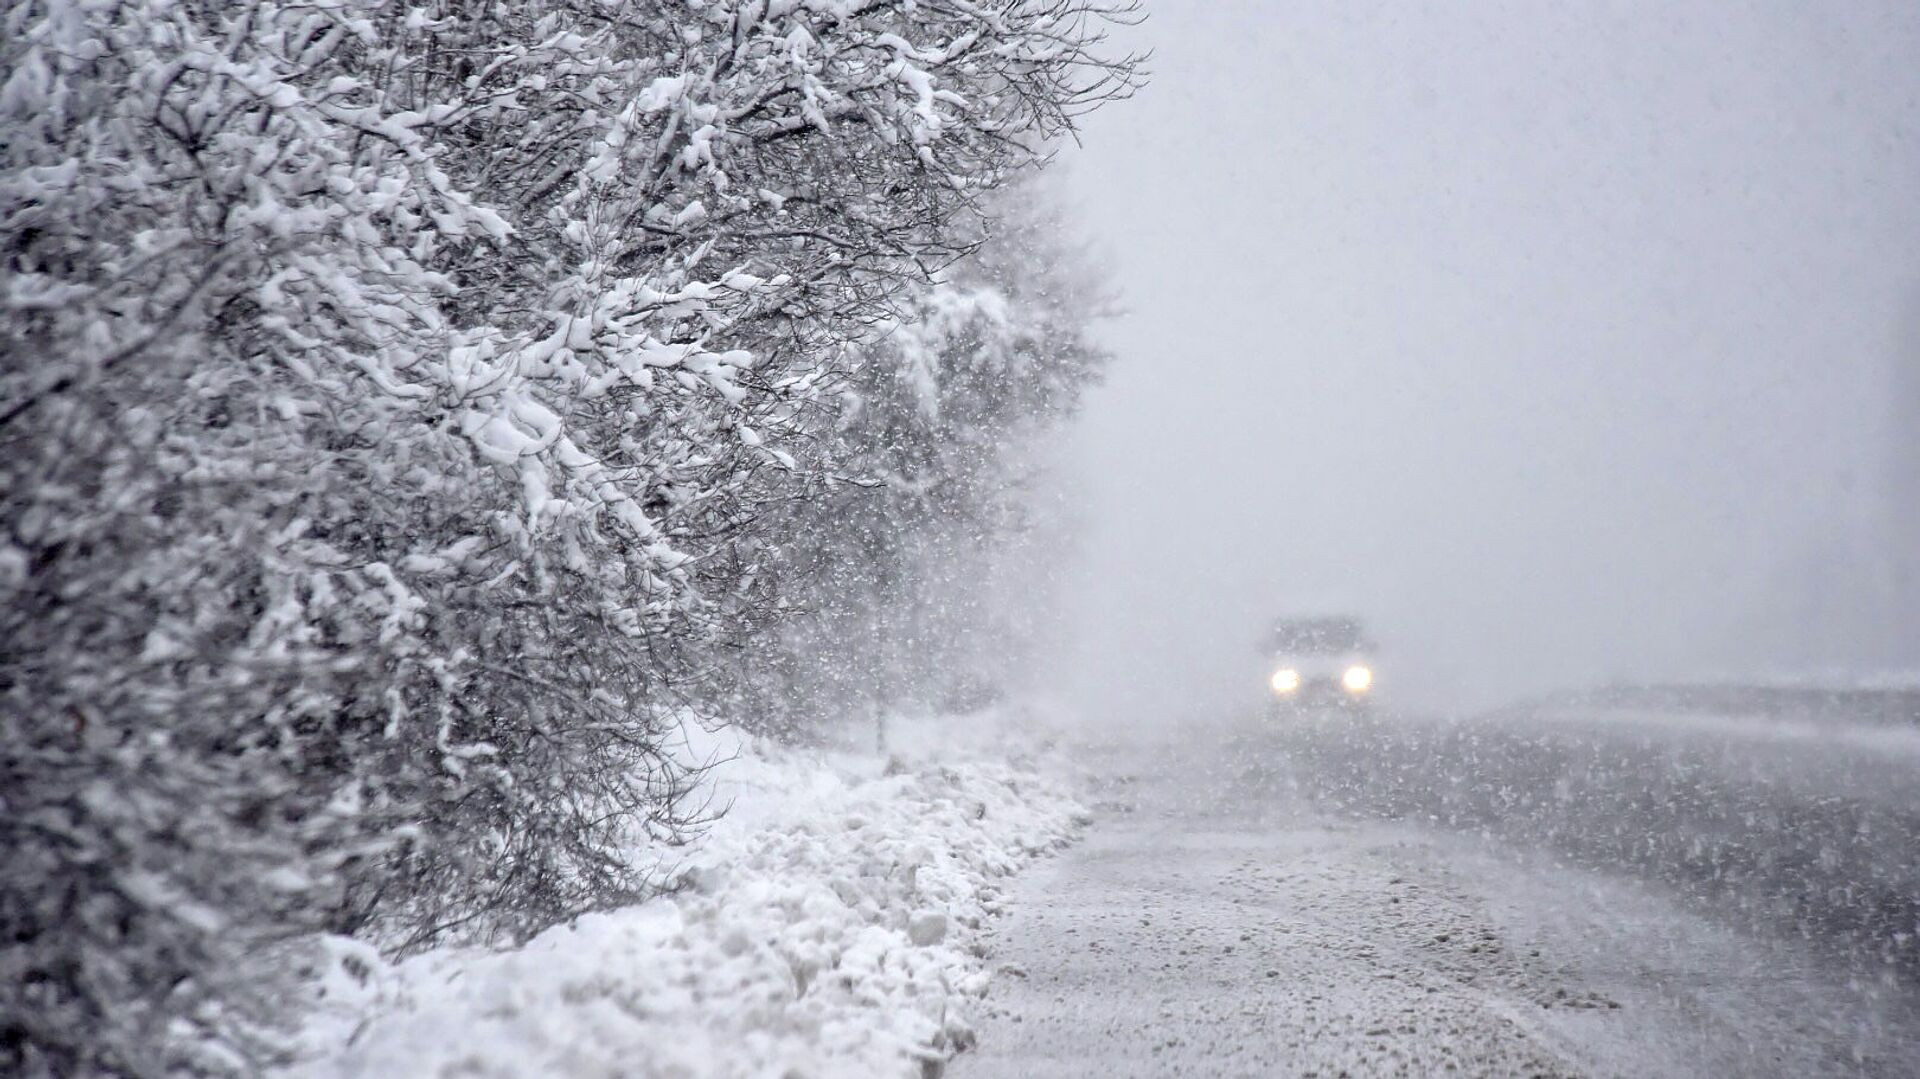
827, 928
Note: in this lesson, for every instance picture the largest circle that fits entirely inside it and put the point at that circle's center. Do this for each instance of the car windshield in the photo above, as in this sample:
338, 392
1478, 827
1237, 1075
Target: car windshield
1314, 636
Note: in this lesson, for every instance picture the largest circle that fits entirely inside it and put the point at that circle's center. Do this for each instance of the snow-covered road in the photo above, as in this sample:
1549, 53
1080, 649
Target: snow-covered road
1256, 902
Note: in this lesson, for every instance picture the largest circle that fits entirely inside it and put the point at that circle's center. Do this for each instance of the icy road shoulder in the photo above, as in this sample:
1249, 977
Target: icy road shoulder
1303, 949
829, 928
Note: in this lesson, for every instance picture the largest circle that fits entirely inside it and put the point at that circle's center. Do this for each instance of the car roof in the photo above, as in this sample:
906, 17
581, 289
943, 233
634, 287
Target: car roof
1322, 633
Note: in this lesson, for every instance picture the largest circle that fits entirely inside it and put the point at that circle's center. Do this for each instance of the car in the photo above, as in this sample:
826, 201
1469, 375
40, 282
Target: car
1318, 662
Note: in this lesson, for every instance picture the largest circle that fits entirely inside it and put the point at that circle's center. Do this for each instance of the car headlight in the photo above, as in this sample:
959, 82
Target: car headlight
1357, 679
1285, 680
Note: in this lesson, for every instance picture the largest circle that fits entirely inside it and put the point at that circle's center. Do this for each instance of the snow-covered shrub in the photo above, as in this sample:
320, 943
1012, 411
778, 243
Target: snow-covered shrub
389, 397
902, 560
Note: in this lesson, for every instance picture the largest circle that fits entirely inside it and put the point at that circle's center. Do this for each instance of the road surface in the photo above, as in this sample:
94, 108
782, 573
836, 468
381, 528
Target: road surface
1556, 890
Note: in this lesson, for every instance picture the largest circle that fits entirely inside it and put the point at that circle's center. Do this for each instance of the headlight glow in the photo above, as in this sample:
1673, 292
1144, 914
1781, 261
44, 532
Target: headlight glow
1357, 679
1285, 680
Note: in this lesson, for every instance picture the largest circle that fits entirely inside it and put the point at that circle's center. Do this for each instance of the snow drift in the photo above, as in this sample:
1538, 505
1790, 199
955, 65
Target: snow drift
826, 925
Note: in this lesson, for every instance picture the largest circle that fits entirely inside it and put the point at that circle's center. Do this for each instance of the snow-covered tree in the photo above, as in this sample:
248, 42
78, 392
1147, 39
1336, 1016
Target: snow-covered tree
390, 397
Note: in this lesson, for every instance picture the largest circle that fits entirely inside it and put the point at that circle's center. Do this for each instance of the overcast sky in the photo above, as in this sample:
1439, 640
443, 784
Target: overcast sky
1552, 338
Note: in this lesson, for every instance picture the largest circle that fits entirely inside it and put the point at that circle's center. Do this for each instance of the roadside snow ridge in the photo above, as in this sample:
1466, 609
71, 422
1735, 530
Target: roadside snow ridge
827, 927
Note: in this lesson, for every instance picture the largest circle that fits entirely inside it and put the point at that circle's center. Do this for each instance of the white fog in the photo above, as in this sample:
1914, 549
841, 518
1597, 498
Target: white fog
1560, 342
